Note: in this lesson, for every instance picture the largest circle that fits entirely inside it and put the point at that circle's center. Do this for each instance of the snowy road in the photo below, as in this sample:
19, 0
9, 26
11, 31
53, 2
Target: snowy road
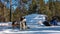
33, 30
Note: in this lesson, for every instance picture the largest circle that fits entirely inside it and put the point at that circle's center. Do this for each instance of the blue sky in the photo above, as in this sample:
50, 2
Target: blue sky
46, 1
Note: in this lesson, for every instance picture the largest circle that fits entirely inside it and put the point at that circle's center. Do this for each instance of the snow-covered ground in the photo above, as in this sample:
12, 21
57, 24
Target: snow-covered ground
35, 28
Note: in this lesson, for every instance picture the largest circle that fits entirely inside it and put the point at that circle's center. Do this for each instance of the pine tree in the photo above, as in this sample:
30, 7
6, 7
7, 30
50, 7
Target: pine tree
41, 6
33, 7
1, 8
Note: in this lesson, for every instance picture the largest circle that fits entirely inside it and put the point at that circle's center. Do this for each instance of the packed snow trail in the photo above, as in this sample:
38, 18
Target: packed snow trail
35, 28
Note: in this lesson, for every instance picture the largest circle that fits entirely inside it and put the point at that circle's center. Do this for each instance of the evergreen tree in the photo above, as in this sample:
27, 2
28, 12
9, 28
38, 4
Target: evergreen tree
33, 7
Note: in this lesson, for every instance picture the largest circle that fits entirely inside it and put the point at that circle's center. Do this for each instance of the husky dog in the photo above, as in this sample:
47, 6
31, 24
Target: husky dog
23, 24
15, 24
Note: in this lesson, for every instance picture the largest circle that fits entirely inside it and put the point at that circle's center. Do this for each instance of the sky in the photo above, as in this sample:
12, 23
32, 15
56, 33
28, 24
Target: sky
46, 1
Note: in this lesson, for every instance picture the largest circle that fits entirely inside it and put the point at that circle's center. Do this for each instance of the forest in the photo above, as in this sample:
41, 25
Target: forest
11, 10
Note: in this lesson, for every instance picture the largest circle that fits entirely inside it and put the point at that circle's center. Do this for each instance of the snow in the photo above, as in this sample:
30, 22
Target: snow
33, 18
35, 28
30, 32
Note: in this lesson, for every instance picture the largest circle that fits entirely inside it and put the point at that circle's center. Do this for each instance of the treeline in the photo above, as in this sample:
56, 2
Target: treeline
25, 7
